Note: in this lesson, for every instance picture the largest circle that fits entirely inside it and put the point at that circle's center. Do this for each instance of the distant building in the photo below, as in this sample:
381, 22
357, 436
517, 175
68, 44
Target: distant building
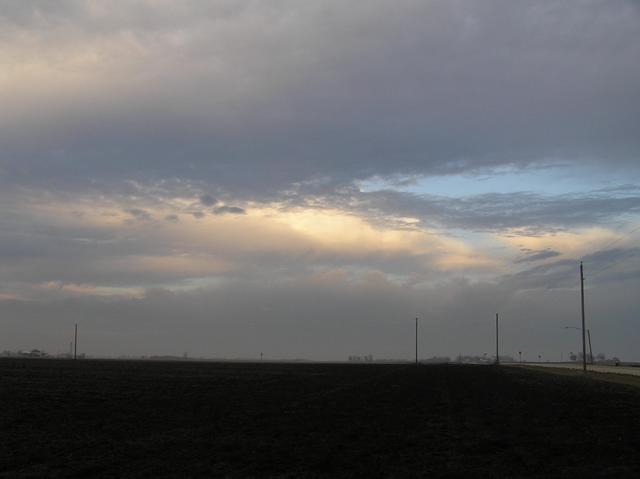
34, 353
358, 359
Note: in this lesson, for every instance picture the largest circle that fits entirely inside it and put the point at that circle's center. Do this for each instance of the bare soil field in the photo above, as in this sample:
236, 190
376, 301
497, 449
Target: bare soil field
196, 419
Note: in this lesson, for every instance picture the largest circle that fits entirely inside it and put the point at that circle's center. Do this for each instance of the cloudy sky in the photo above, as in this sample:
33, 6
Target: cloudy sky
303, 178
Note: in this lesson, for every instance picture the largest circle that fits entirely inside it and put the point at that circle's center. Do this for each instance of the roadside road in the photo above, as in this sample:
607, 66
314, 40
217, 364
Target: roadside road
596, 368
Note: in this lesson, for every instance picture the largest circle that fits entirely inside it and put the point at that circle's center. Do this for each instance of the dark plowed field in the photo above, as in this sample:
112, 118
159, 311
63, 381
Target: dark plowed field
151, 419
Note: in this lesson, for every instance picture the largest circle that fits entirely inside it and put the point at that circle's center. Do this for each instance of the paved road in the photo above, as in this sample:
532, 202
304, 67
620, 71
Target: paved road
633, 371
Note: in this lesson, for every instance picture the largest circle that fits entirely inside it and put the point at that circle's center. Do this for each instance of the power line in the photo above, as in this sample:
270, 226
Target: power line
609, 245
620, 238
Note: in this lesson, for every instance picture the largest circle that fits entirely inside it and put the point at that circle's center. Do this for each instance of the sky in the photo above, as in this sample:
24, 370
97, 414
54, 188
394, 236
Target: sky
304, 178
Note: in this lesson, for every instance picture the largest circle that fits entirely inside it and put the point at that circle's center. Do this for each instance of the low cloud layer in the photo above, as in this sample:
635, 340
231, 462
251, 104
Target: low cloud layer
328, 316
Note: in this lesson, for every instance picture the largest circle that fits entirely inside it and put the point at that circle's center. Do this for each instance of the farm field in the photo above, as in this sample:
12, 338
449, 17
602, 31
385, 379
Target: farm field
198, 419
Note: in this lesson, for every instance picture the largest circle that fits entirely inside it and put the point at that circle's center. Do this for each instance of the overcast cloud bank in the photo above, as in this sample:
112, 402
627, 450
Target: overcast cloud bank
205, 163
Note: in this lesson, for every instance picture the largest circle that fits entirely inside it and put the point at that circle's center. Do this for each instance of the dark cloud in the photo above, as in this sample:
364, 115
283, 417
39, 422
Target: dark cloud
172, 218
410, 88
233, 210
500, 211
601, 267
208, 200
537, 256
139, 214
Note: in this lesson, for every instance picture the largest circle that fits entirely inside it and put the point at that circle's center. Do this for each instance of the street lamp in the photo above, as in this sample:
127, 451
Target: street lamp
589, 336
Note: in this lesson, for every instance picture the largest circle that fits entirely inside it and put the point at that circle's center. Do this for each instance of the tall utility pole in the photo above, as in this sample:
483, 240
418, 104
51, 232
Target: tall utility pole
497, 344
416, 341
75, 343
584, 345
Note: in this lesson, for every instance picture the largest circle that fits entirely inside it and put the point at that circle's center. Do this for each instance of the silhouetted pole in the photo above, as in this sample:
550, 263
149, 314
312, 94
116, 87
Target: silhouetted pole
497, 346
416, 341
584, 345
75, 343
590, 350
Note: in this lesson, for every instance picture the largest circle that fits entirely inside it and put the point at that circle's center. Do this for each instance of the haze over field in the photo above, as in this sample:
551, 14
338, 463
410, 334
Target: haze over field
303, 178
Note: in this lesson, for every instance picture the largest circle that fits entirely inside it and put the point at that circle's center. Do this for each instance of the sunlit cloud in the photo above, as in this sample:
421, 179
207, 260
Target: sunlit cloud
569, 244
75, 289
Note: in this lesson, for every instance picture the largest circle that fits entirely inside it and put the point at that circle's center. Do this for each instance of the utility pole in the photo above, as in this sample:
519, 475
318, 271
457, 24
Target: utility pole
416, 341
584, 346
590, 350
497, 345
75, 343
